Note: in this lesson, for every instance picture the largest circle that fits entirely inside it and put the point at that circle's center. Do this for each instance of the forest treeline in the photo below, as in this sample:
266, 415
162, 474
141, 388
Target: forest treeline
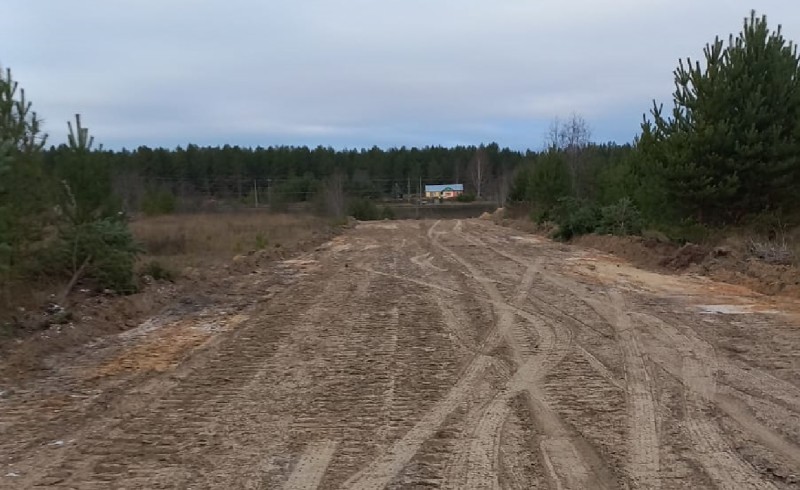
296, 174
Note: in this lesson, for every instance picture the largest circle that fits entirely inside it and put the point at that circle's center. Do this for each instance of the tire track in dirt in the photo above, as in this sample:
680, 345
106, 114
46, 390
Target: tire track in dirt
381, 370
480, 458
762, 383
599, 367
549, 308
310, 469
520, 468
738, 411
567, 462
643, 438
643, 432
157, 444
697, 368
477, 462
730, 470
383, 469
389, 397
558, 436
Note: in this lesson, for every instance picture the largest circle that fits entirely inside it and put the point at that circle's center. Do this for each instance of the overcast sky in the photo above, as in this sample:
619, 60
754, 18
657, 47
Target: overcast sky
356, 73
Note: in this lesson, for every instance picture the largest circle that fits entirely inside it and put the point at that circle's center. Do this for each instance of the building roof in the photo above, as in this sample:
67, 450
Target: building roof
444, 188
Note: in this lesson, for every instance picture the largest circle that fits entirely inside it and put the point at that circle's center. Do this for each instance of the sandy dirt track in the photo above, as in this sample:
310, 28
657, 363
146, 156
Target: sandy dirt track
427, 354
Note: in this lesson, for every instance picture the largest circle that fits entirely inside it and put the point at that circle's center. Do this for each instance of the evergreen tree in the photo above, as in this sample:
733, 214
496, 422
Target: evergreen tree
550, 180
87, 174
24, 187
731, 145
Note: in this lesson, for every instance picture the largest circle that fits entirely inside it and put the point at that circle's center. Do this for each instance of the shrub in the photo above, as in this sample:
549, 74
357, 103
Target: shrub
575, 217
541, 216
621, 218
465, 198
364, 210
103, 250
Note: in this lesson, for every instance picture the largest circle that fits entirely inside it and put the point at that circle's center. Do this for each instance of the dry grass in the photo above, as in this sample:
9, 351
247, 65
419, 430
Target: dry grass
779, 248
772, 252
194, 240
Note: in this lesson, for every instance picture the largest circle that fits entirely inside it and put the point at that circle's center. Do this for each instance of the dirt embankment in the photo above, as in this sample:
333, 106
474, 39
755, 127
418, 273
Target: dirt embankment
731, 264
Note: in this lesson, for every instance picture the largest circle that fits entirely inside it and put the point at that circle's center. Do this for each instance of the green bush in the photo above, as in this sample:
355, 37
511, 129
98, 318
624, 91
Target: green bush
465, 198
158, 202
622, 218
364, 210
575, 217
107, 249
541, 215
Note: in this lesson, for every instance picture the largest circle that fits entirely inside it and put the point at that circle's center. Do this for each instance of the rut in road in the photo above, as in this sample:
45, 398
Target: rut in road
416, 354
722, 464
568, 464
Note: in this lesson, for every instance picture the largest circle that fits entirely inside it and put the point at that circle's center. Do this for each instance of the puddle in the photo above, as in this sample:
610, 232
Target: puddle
731, 310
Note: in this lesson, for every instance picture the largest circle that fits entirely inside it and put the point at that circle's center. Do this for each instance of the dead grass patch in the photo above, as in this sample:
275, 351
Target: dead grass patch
199, 240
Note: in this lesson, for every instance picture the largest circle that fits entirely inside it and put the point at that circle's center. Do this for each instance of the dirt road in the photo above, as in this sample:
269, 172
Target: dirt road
417, 354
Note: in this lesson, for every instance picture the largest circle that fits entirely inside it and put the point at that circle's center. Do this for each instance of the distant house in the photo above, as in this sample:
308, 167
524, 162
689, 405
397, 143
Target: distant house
446, 191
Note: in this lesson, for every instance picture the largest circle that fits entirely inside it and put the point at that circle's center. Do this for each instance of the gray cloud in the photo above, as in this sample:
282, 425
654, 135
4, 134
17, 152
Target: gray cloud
355, 72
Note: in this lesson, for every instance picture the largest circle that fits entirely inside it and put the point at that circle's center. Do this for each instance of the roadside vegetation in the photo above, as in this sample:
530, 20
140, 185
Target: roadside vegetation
724, 156
60, 220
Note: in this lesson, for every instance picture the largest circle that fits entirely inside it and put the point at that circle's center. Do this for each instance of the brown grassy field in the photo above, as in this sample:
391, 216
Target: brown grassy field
207, 239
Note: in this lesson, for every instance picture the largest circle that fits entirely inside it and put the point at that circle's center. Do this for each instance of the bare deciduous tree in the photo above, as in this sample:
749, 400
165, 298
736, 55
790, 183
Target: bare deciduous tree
572, 137
479, 170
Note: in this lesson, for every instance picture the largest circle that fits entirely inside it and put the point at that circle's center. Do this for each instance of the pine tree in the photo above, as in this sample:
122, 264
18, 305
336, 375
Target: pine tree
23, 189
88, 175
730, 146
550, 180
